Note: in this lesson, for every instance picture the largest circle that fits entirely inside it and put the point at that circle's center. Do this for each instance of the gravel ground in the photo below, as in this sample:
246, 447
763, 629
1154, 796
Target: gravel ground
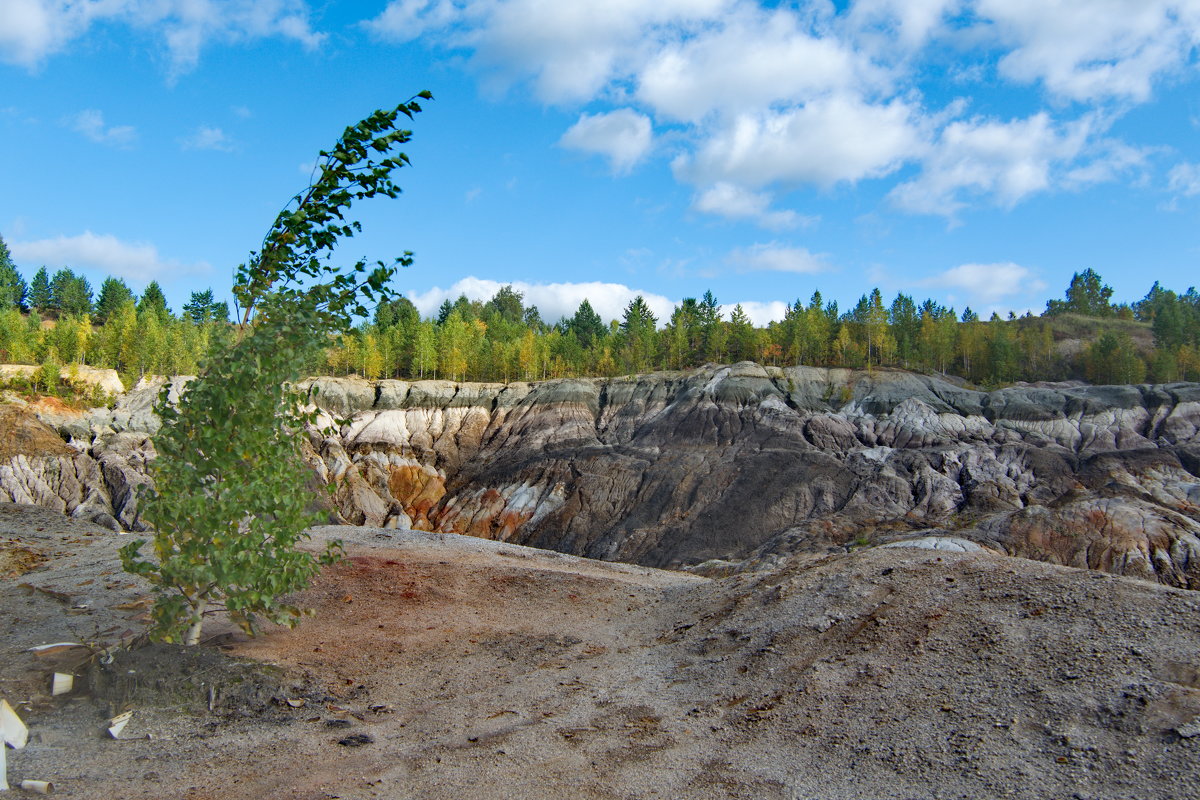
441, 667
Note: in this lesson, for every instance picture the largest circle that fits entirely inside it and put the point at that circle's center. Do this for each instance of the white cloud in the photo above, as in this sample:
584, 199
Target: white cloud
138, 261
405, 20
754, 59
1184, 179
30, 29
767, 96
91, 124
759, 313
1114, 160
907, 23
1085, 50
570, 50
834, 139
33, 30
1008, 160
733, 202
623, 136
988, 283
554, 300
560, 300
774, 257
207, 137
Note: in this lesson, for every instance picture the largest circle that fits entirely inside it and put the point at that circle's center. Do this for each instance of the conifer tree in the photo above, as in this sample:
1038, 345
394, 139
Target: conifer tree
587, 325
113, 294
154, 300
13, 291
39, 291
70, 293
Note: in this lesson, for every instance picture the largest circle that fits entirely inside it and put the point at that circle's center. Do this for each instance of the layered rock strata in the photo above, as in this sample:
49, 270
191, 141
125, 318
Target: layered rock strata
746, 463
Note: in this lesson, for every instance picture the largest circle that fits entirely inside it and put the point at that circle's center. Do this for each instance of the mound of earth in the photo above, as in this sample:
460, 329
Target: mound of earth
442, 666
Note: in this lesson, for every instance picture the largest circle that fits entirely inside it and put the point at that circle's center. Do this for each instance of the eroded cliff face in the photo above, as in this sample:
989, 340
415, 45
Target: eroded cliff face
745, 463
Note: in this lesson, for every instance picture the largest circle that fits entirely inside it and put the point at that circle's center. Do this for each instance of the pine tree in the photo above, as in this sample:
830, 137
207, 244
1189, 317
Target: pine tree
13, 291
154, 299
70, 293
587, 325
200, 307
39, 291
638, 334
113, 294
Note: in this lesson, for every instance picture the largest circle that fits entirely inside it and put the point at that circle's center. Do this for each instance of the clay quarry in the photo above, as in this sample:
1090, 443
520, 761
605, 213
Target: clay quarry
732, 582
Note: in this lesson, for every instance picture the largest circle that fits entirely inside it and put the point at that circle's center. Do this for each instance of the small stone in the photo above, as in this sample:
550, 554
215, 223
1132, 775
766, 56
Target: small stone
1190, 729
355, 740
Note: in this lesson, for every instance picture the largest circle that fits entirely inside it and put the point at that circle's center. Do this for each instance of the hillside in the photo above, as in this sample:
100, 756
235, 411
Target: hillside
730, 463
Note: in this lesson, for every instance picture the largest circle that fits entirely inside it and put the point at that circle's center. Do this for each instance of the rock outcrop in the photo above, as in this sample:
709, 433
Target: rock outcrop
745, 463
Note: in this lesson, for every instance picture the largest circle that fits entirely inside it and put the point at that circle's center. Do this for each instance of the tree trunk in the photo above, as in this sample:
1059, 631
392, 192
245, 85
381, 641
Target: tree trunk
193, 635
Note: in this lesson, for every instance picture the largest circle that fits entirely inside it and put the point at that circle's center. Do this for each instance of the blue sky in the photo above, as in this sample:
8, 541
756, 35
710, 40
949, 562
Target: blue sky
975, 151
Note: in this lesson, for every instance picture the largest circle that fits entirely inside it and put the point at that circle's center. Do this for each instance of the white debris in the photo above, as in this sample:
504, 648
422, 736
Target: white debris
62, 683
118, 723
11, 727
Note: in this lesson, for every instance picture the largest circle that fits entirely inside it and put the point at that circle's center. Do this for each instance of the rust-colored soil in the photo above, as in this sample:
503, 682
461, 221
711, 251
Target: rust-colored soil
22, 433
16, 559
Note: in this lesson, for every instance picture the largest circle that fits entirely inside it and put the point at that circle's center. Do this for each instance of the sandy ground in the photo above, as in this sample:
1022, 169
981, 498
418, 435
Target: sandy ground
447, 667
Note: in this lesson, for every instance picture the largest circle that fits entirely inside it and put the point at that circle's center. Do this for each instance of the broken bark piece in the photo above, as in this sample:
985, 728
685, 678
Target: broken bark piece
43, 650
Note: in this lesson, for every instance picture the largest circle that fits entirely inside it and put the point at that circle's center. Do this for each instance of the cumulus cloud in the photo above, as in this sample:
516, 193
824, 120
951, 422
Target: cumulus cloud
907, 23
766, 96
207, 137
1084, 52
405, 20
734, 202
774, 257
138, 261
754, 59
90, 123
623, 136
834, 139
1184, 179
1113, 160
554, 300
979, 157
759, 313
988, 283
32, 30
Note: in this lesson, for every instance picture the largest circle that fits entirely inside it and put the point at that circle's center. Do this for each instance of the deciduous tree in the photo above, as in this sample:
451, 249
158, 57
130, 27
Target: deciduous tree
230, 502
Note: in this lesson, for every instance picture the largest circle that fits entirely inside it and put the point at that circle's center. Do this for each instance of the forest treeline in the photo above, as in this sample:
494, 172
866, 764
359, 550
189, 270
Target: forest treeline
54, 320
